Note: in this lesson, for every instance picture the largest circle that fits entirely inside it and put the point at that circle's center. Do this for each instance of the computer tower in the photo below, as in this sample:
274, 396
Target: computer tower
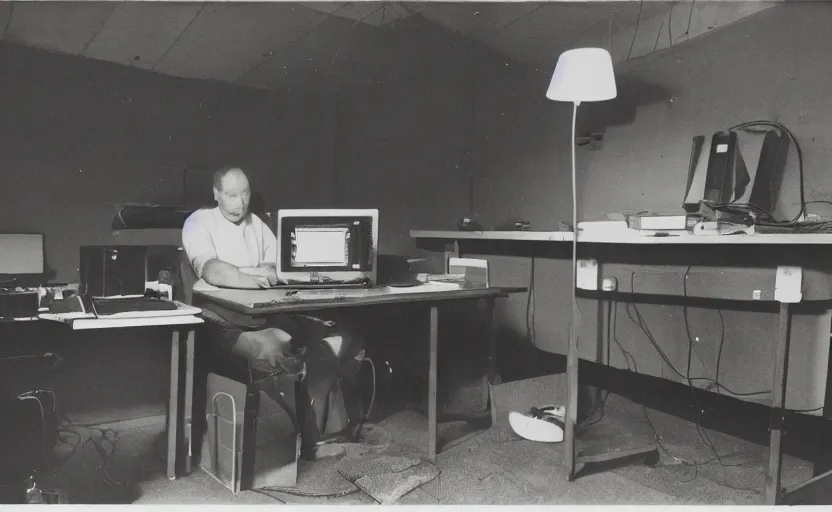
251, 439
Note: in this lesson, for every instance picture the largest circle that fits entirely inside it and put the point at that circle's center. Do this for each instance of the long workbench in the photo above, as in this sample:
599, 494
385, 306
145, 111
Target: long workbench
784, 279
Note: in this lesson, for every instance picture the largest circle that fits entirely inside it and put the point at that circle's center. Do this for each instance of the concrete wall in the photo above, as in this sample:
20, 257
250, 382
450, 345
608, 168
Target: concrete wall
80, 137
406, 146
83, 137
772, 65
755, 69
403, 149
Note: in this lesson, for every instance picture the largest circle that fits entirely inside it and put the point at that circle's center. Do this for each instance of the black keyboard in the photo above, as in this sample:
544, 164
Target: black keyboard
111, 306
297, 285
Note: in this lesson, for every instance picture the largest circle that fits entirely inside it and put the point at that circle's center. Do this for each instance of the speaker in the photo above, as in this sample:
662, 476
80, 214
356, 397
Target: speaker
113, 270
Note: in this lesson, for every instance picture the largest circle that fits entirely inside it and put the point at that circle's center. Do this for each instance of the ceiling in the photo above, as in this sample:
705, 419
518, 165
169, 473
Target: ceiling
276, 44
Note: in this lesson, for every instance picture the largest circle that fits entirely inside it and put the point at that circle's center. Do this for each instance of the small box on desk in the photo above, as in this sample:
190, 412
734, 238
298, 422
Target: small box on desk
466, 272
661, 222
474, 271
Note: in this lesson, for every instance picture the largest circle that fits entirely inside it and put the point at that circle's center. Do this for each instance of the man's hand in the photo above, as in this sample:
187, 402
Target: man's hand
262, 281
265, 276
271, 349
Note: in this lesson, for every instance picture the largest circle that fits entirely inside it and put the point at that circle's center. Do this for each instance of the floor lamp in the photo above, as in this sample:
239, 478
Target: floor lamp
581, 75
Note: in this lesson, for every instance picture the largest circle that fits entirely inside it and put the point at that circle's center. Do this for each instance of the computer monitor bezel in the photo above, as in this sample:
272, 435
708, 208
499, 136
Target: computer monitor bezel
368, 276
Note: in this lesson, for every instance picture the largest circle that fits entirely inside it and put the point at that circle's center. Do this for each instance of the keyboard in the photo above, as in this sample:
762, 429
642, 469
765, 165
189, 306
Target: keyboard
111, 306
316, 286
322, 296
306, 285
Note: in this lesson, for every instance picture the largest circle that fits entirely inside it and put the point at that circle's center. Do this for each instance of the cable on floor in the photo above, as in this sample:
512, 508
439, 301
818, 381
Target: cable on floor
264, 493
307, 494
634, 367
105, 455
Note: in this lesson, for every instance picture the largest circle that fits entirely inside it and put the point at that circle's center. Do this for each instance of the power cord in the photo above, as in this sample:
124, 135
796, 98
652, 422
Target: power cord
106, 457
530, 307
635, 316
108, 435
628, 357
714, 382
372, 397
600, 408
779, 126
306, 494
264, 493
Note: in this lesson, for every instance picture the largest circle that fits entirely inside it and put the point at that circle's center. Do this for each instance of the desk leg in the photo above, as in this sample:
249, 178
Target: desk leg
781, 359
490, 376
189, 398
433, 382
173, 404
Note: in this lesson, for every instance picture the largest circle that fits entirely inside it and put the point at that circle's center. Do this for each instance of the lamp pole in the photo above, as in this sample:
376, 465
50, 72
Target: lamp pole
581, 75
572, 351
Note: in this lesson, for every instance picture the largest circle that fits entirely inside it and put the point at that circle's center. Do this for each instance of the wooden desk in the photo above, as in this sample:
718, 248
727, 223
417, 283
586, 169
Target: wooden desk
262, 303
772, 272
182, 321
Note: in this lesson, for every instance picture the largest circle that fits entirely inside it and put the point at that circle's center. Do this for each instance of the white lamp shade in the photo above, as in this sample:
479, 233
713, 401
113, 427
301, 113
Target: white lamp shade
583, 74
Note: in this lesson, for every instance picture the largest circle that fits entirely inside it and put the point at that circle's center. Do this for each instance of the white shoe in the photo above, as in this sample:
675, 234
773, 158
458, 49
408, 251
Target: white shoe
543, 424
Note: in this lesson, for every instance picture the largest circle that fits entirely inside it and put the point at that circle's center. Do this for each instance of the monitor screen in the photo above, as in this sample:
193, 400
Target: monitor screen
327, 245
21, 253
321, 246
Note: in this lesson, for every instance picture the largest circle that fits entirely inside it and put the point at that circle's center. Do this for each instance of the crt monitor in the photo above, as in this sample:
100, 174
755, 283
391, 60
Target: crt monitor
327, 246
22, 261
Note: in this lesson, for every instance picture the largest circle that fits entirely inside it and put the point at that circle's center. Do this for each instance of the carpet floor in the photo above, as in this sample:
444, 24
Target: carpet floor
122, 463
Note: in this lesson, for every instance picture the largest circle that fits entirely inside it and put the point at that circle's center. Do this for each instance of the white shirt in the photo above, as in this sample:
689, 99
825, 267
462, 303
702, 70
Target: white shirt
208, 235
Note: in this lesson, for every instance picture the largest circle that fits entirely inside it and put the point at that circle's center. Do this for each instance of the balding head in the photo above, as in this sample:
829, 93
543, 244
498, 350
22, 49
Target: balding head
232, 193
222, 173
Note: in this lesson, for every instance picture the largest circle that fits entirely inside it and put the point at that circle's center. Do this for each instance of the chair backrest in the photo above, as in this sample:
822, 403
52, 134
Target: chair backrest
187, 278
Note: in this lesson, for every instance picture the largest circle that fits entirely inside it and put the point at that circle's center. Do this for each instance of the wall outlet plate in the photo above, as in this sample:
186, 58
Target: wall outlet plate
788, 287
587, 274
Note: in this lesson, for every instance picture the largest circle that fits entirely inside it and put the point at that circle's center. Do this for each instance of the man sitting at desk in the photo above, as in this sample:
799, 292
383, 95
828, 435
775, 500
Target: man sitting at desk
230, 247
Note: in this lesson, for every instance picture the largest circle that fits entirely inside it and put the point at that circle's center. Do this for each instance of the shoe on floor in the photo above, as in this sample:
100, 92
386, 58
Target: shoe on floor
541, 424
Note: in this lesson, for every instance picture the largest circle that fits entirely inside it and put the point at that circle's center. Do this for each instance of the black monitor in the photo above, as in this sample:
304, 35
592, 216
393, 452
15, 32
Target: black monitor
327, 245
22, 261
736, 168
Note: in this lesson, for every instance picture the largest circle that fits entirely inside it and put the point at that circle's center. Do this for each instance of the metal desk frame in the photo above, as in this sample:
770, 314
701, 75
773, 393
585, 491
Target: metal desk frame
433, 299
182, 325
774, 493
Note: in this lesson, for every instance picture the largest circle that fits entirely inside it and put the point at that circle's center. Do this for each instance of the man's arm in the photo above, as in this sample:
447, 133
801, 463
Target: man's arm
199, 247
220, 273
269, 248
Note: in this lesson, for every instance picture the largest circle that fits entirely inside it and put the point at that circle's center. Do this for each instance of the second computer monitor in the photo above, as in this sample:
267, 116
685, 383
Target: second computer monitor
327, 246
